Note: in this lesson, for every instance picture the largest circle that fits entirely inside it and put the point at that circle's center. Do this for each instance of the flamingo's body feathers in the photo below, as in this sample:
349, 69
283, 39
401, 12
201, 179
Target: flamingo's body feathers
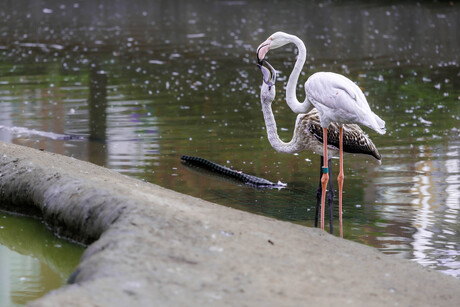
340, 100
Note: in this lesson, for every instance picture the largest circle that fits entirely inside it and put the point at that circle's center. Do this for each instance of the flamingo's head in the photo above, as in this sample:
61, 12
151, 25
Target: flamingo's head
275, 40
267, 92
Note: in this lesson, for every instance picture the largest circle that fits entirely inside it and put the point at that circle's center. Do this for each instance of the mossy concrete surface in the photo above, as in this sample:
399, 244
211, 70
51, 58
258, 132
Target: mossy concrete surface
149, 246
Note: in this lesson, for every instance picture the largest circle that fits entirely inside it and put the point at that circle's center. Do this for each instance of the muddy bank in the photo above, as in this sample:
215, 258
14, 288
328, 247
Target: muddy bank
155, 247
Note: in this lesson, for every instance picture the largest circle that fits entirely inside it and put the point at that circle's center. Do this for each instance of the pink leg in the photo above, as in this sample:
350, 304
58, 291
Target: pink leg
340, 179
324, 178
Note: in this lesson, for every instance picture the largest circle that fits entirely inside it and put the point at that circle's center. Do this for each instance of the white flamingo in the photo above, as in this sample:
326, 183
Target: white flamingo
308, 135
336, 98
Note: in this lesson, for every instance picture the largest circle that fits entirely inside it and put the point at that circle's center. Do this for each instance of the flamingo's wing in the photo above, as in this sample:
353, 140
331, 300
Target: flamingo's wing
354, 138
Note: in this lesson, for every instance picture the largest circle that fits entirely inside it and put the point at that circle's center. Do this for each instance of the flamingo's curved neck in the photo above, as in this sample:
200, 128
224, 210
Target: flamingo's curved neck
291, 95
272, 133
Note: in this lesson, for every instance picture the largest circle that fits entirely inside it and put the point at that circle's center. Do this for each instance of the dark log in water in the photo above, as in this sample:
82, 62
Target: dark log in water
228, 172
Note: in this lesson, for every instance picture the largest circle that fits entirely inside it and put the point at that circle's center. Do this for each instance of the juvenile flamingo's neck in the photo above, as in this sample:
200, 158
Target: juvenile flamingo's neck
272, 133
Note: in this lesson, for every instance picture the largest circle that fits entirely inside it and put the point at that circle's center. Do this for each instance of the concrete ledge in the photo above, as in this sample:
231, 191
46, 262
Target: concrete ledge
150, 246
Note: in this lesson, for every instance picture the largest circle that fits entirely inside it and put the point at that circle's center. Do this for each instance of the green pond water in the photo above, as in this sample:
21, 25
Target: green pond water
33, 260
144, 82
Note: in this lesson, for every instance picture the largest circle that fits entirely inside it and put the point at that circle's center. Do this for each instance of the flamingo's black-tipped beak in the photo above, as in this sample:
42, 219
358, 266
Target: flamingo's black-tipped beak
269, 76
266, 76
273, 71
262, 51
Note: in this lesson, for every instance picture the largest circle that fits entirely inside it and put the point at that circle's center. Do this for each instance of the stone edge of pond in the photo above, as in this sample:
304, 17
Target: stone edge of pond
152, 246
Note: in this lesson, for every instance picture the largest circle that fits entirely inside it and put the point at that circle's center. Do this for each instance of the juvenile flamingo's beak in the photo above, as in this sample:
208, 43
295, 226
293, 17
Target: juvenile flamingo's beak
262, 50
269, 76
273, 72
265, 73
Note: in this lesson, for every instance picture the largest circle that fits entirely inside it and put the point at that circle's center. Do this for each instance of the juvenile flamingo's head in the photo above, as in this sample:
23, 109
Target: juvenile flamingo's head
267, 92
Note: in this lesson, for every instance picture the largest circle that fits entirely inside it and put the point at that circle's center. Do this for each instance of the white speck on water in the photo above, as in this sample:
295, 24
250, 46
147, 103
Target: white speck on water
281, 184
158, 62
423, 121
47, 11
196, 35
